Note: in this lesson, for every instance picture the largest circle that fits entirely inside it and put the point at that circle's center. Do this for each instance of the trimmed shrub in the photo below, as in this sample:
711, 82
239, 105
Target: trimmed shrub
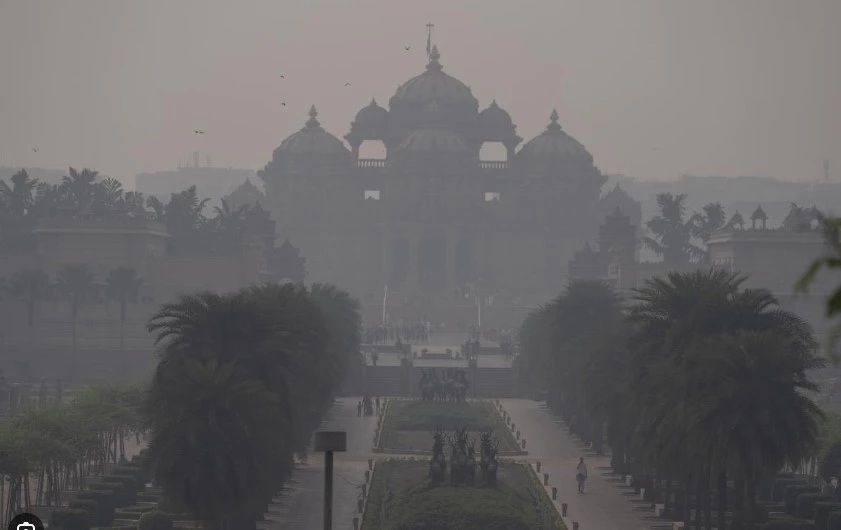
788, 524
806, 504
822, 510
133, 470
834, 521
121, 498
132, 485
156, 520
69, 519
791, 494
780, 486
87, 505
740, 518
105, 505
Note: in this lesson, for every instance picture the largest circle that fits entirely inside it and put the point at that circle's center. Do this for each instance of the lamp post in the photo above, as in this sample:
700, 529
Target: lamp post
329, 442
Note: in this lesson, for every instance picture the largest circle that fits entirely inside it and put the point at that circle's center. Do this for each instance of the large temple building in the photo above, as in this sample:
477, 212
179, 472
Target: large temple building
433, 221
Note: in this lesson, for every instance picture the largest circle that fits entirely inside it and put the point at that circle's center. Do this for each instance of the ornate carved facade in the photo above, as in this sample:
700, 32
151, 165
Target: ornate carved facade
432, 216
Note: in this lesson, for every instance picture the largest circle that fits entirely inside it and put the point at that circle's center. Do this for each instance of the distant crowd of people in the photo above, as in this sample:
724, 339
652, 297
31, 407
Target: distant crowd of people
418, 332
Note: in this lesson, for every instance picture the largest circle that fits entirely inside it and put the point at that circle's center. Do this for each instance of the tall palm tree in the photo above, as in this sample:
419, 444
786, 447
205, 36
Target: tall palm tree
213, 451
123, 286
30, 286
753, 409
79, 188
672, 231
76, 286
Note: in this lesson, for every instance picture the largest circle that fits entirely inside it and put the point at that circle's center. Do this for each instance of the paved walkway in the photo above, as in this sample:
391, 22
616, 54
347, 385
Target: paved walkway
300, 506
602, 506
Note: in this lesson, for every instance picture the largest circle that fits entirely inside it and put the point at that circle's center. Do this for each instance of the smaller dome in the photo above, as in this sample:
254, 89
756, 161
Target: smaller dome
554, 143
434, 139
371, 116
495, 118
312, 140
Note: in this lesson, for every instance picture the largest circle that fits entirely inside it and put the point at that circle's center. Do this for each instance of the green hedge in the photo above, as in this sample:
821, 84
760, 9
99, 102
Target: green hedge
806, 504
69, 519
740, 518
780, 486
87, 505
105, 505
822, 510
791, 494
121, 497
788, 524
156, 520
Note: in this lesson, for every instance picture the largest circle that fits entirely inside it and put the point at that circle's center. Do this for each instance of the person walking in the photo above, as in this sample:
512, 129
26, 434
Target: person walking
359, 409
581, 474
378, 405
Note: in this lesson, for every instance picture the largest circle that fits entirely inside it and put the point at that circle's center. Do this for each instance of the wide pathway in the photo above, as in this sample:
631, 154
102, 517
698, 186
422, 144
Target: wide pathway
602, 506
300, 507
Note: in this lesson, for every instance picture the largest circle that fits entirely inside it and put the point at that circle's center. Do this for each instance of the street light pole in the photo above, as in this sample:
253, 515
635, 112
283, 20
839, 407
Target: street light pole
329, 442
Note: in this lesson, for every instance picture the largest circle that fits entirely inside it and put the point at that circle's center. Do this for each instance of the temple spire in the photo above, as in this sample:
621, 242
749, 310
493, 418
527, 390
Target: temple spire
313, 122
429, 27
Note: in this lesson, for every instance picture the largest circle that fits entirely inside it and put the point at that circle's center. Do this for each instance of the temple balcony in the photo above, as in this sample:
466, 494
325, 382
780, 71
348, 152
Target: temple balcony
366, 163
493, 164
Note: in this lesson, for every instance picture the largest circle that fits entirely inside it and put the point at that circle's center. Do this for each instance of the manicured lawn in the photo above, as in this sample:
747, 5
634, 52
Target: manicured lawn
401, 499
408, 425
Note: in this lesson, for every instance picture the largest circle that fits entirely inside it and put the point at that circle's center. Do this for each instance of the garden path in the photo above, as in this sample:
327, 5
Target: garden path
602, 506
300, 506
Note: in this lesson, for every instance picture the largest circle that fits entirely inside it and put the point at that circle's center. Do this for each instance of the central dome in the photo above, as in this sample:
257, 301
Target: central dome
434, 85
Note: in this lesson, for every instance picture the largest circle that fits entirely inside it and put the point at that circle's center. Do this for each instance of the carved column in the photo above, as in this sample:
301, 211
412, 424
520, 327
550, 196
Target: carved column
451, 242
412, 279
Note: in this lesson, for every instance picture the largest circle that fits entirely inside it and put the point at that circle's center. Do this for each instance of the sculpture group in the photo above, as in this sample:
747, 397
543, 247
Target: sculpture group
450, 386
463, 459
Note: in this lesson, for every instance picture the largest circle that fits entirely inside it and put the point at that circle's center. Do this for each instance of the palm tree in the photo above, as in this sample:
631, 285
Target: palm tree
752, 410
672, 233
31, 286
675, 314
80, 188
107, 195
254, 371
204, 412
831, 261
123, 286
76, 286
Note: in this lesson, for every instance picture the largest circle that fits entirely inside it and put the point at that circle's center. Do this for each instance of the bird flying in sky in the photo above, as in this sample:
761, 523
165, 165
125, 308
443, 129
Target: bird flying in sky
35, 149
408, 48
198, 132
283, 103
347, 84
282, 76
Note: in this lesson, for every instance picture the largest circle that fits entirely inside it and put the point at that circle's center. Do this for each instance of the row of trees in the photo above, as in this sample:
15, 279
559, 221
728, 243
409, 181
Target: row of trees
51, 447
75, 285
696, 381
242, 381
83, 194
674, 235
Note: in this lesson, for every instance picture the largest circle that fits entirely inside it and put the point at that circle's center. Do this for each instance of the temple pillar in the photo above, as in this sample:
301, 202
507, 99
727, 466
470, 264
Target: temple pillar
451, 262
412, 278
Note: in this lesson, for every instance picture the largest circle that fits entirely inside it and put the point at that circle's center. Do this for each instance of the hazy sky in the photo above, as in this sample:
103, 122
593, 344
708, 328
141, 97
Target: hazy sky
653, 88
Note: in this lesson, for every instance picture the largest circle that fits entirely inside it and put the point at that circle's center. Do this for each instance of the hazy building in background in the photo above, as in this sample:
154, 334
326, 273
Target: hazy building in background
437, 224
212, 183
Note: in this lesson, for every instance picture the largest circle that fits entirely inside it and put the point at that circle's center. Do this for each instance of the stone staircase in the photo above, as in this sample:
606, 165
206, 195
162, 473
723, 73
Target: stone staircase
496, 383
385, 380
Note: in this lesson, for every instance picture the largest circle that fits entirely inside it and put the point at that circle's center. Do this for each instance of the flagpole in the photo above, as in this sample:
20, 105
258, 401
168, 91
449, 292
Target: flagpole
385, 300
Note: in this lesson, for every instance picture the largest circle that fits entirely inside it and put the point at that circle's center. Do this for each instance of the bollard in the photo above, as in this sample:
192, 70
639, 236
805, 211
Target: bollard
524, 443
538, 466
497, 402
575, 525
518, 435
356, 523
364, 491
367, 476
360, 504
546, 479
513, 427
370, 463
563, 509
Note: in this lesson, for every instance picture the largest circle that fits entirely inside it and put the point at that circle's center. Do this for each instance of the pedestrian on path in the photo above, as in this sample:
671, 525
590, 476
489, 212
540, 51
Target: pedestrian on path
359, 409
581, 474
